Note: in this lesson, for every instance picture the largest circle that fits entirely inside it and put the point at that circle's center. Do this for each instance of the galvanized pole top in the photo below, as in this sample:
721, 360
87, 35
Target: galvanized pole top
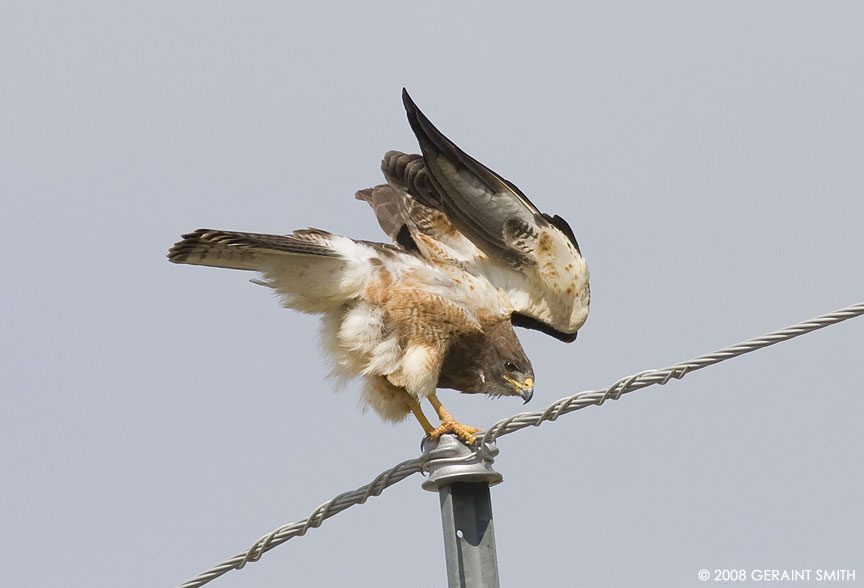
456, 462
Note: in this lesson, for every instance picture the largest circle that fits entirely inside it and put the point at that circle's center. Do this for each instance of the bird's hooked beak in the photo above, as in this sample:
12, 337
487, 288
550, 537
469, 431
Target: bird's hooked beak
525, 389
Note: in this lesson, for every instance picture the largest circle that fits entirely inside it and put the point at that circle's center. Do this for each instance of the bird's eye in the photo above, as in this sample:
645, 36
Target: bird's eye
510, 366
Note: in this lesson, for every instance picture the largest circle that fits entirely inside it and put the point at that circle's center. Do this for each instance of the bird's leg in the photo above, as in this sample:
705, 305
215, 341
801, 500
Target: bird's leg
449, 424
414, 405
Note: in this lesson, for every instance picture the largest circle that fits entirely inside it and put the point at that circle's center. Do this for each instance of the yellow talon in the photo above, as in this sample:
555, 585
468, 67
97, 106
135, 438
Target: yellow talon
464, 432
449, 424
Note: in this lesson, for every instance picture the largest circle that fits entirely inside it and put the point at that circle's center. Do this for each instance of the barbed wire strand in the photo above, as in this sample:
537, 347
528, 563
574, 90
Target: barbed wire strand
512, 424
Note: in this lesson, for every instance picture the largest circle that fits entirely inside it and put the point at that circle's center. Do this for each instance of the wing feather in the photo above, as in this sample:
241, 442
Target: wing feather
312, 270
488, 226
247, 251
476, 199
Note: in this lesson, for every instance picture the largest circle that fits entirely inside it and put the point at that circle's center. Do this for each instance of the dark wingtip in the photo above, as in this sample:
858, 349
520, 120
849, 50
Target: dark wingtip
427, 134
180, 251
415, 118
408, 103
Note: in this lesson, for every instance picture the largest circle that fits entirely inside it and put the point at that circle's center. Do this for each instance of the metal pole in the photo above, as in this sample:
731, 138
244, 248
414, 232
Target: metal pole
462, 481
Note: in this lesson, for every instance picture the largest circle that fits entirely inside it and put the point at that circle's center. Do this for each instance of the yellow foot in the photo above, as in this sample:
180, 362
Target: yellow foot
450, 425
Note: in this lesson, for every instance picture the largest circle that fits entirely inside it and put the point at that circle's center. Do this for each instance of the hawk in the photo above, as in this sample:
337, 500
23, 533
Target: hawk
471, 257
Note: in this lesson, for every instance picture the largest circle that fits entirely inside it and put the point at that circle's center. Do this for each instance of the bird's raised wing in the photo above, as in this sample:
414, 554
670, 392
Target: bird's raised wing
457, 210
478, 201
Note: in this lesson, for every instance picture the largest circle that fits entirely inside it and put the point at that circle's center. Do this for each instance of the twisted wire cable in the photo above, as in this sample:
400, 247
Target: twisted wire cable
662, 376
330, 508
512, 424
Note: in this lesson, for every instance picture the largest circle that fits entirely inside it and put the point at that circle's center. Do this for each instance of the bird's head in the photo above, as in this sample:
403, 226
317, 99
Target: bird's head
490, 362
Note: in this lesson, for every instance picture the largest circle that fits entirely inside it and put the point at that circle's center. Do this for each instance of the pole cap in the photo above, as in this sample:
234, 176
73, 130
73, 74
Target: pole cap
450, 461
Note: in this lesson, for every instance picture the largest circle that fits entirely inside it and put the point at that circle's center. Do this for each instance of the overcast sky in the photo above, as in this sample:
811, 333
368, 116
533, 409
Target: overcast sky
157, 418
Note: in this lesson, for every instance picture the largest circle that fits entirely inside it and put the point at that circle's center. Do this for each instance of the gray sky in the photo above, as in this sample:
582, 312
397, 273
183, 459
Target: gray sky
158, 418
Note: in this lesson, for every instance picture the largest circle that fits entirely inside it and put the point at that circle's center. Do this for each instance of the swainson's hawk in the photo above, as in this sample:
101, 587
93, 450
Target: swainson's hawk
472, 256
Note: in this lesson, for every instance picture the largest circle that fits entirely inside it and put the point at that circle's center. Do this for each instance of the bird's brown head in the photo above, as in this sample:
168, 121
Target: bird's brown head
489, 362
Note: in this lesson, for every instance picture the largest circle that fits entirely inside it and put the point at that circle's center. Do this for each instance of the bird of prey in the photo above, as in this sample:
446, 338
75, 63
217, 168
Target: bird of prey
471, 257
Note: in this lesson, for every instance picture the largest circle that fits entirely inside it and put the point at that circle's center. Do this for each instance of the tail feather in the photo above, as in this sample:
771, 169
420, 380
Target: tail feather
247, 251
